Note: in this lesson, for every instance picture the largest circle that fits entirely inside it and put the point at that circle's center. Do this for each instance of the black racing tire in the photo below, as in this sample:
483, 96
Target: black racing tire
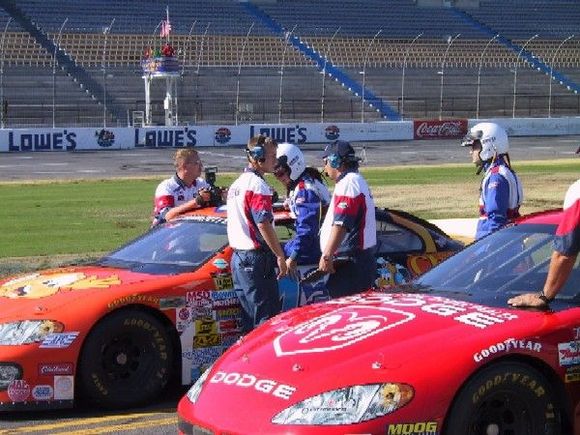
505, 399
126, 361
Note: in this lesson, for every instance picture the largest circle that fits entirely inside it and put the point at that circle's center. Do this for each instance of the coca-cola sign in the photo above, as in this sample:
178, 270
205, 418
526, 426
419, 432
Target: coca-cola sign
439, 129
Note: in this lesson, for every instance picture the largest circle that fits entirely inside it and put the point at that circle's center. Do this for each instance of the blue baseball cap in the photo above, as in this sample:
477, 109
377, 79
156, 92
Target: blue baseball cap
340, 147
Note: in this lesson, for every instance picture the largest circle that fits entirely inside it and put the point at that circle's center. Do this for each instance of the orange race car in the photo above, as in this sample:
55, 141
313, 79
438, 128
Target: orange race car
162, 306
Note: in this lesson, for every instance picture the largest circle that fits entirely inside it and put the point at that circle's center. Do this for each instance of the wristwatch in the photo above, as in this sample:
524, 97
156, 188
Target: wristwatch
544, 298
327, 257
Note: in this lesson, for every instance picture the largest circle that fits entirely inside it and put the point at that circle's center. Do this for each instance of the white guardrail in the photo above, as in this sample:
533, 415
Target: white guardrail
83, 138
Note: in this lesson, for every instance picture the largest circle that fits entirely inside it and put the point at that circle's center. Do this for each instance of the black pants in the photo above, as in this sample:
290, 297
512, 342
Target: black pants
353, 276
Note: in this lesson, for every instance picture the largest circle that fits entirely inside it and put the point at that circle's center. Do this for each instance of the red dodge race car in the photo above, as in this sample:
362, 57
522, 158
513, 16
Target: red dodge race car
442, 354
161, 307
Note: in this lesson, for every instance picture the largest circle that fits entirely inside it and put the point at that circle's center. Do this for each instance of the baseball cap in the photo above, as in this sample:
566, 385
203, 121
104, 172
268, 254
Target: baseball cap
340, 147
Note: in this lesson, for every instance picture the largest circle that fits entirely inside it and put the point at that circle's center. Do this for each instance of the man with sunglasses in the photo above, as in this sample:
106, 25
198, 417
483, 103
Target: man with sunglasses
501, 189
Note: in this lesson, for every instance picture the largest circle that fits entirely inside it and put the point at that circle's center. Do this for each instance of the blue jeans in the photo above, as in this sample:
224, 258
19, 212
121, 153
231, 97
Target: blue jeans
254, 275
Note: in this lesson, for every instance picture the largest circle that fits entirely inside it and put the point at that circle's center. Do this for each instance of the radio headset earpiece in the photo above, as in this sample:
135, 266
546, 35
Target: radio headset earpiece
258, 152
334, 161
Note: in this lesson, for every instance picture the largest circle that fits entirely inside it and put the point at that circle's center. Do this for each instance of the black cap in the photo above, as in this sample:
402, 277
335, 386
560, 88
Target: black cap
340, 147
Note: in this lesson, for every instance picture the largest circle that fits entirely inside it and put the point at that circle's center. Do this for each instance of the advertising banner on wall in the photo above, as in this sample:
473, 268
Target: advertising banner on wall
439, 129
81, 139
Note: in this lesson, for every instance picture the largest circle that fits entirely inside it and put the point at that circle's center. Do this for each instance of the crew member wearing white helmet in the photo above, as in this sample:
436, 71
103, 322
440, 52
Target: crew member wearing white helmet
501, 189
308, 199
349, 227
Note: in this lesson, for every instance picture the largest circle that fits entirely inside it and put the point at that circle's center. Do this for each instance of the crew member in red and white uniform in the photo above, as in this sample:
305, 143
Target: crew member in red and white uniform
566, 248
185, 191
349, 228
257, 250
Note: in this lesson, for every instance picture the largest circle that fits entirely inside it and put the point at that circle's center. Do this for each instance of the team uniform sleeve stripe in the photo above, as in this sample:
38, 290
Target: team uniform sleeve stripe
567, 240
164, 201
347, 210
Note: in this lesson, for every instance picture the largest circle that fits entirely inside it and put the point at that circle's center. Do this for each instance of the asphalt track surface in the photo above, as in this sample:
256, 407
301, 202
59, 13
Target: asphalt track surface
160, 418
158, 163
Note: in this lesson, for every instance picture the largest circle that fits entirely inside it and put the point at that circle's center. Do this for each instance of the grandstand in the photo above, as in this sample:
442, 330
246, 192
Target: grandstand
77, 62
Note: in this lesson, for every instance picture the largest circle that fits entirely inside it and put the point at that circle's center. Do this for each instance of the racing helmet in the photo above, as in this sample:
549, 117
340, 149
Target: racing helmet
492, 137
290, 157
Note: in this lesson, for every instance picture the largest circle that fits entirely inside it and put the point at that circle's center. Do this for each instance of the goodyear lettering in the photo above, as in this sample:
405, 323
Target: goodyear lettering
244, 380
505, 346
419, 428
133, 299
282, 134
166, 138
59, 140
510, 378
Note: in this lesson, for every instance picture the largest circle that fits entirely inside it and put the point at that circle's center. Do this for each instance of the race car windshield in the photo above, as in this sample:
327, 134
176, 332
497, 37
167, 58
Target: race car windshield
509, 262
172, 247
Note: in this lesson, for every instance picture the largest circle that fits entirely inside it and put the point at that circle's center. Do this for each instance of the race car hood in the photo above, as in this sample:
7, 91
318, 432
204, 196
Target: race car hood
46, 291
362, 339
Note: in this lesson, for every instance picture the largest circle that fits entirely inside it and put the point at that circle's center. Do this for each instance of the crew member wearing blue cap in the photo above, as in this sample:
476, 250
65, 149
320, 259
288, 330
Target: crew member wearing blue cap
349, 228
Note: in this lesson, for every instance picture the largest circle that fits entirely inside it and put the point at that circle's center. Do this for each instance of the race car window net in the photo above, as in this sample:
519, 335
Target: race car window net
511, 261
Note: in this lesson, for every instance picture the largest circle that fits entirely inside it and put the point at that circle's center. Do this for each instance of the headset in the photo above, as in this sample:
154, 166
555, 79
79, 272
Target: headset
334, 161
258, 152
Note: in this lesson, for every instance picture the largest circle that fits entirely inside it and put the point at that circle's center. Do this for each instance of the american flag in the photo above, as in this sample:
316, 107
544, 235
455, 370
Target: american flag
165, 28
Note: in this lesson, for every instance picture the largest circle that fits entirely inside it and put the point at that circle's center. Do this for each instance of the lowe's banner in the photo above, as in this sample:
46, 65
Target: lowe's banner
73, 138
82, 138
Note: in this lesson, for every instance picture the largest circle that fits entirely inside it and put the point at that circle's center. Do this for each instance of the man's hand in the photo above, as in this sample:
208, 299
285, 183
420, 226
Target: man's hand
326, 264
527, 300
203, 197
282, 268
292, 270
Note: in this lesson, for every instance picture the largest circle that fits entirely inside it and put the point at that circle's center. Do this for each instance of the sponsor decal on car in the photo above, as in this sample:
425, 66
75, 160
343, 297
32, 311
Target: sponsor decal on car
340, 328
506, 346
220, 263
222, 281
18, 390
58, 340
51, 369
478, 316
419, 428
572, 374
206, 340
64, 387
198, 298
228, 313
171, 302
37, 285
42, 392
245, 380
569, 353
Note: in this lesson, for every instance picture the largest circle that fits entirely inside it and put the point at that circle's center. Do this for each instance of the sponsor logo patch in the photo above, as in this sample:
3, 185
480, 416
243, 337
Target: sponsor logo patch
51, 369
58, 340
